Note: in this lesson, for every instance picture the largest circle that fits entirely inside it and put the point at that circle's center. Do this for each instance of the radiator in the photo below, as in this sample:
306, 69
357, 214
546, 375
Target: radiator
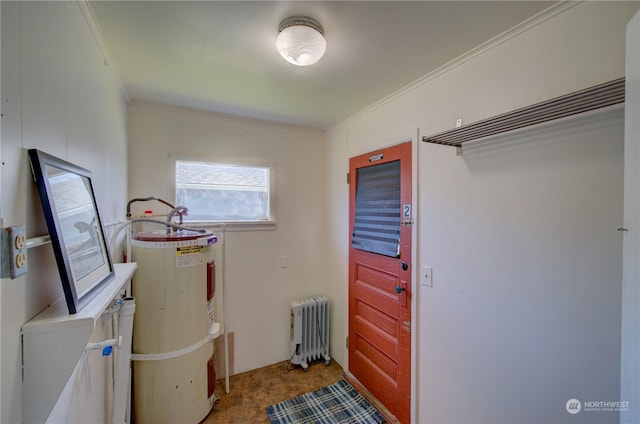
310, 331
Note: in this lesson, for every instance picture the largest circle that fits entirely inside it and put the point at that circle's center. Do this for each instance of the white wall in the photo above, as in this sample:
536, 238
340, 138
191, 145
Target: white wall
521, 232
630, 371
58, 96
259, 291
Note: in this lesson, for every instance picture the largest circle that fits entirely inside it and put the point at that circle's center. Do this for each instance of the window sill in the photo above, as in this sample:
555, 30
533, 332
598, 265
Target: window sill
235, 226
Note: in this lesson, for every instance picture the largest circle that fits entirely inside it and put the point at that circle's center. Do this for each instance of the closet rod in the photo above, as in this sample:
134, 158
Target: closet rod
596, 97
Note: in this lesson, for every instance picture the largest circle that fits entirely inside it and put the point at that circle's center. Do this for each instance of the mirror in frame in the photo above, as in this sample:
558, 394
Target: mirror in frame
76, 231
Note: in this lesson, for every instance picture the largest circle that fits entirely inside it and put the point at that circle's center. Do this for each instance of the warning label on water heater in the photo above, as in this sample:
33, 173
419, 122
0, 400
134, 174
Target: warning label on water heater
189, 256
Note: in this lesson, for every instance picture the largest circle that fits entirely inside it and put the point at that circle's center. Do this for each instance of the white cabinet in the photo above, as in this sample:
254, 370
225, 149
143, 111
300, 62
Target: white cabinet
54, 341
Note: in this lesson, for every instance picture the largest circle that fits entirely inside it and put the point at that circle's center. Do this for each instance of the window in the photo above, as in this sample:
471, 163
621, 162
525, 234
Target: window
222, 192
376, 228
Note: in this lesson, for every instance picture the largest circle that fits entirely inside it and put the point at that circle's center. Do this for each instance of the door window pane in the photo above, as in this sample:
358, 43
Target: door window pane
376, 226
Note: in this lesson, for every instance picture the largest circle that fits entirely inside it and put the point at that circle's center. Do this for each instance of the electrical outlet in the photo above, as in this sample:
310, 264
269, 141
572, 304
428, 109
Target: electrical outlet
14, 251
427, 276
458, 122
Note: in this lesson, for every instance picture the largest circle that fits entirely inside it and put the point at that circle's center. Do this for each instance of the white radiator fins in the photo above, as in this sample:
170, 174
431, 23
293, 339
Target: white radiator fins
313, 345
310, 331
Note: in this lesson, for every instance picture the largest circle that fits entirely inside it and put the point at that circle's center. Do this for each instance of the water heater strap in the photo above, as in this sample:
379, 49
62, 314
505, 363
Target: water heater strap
214, 332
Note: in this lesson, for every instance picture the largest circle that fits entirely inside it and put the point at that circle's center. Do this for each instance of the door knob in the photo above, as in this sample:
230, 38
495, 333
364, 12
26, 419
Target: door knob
404, 265
400, 289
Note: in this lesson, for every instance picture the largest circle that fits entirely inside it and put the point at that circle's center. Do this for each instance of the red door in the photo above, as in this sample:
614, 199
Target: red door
380, 276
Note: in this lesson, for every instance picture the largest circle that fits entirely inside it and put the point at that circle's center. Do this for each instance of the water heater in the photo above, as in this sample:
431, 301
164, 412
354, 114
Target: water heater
173, 375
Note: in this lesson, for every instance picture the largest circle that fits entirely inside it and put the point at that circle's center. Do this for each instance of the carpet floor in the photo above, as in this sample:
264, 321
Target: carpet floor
251, 392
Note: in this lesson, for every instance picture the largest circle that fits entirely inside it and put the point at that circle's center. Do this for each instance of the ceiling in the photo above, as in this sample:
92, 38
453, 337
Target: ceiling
220, 56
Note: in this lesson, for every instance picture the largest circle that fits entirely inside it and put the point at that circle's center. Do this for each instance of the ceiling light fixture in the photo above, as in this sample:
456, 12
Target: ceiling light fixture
301, 40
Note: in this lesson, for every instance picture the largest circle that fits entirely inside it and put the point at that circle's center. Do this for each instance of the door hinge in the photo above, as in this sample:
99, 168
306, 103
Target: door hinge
348, 177
347, 342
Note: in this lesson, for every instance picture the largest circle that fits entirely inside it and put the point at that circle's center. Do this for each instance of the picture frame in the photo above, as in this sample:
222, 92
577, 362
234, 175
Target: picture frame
73, 220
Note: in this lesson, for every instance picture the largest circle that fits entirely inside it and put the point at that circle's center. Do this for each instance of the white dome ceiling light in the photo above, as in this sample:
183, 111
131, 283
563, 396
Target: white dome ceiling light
301, 40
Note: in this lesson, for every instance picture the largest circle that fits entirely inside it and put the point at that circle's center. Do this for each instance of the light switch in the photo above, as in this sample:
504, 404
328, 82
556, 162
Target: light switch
427, 276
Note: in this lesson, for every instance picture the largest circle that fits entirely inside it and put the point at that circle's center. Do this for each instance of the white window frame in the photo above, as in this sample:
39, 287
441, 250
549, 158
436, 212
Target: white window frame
249, 225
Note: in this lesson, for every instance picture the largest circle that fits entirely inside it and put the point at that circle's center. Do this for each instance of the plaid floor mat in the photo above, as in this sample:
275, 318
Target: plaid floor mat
339, 403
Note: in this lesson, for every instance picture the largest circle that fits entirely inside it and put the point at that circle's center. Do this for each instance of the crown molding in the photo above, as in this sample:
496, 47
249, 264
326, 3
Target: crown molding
505, 36
89, 17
